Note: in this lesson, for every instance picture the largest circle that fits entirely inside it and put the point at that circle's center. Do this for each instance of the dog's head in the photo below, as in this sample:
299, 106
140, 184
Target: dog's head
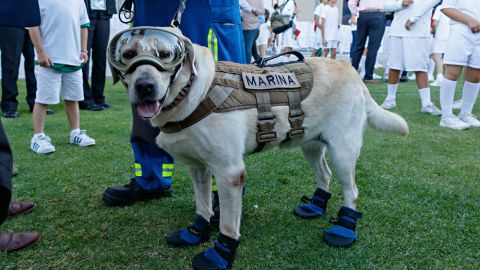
148, 60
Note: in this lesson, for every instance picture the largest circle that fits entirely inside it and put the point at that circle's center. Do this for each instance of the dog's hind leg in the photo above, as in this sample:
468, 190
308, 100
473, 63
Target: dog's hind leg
230, 182
316, 206
199, 231
344, 153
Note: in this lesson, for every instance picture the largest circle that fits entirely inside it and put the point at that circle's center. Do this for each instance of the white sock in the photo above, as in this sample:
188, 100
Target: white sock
469, 96
361, 66
36, 135
425, 96
431, 68
392, 91
439, 76
447, 93
74, 131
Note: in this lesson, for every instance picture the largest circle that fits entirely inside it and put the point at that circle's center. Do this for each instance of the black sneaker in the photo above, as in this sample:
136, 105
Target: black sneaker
131, 193
10, 114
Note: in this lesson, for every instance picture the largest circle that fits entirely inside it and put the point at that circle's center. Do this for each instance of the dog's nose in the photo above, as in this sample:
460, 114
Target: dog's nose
144, 87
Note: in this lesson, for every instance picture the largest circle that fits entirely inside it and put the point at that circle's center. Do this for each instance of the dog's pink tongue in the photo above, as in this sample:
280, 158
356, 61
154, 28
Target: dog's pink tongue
148, 109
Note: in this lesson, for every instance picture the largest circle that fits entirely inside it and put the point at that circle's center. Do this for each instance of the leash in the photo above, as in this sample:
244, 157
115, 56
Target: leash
177, 19
127, 13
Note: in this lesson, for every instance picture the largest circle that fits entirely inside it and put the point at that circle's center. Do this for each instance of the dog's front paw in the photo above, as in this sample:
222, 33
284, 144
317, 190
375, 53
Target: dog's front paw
220, 257
195, 234
342, 233
313, 207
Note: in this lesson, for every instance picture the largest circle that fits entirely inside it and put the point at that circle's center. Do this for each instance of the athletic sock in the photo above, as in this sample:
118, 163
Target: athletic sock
431, 68
74, 131
447, 93
425, 96
392, 91
36, 135
469, 96
439, 76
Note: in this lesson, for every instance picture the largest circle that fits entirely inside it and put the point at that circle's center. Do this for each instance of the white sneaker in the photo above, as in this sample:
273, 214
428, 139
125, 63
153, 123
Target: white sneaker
41, 144
376, 77
457, 104
81, 139
431, 109
389, 103
436, 83
430, 78
453, 122
412, 77
470, 119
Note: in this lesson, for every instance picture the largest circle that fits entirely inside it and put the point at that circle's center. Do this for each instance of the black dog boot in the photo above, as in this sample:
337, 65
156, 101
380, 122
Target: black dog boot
313, 207
343, 234
195, 234
220, 257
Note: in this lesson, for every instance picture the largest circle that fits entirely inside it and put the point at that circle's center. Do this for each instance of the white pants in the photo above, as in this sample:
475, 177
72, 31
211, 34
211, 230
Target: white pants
53, 84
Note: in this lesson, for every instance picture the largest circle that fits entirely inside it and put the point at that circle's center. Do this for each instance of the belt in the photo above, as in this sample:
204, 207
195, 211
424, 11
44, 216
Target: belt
371, 10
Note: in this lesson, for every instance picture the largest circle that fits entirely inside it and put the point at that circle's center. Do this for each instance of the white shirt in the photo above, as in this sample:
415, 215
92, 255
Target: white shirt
60, 29
443, 26
419, 13
330, 14
318, 12
469, 7
98, 4
289, 8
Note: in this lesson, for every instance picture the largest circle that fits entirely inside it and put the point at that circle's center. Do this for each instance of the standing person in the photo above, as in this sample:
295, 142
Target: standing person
371, 24
250, 26
13, 43
61, 48
329, 28
410, 49
219, 28
318, 44
441, 31
264, 37
463, 50
291, 10
99, 13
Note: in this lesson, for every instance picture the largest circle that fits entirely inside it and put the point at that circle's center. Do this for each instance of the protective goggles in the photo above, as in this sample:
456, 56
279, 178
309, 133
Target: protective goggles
139, 45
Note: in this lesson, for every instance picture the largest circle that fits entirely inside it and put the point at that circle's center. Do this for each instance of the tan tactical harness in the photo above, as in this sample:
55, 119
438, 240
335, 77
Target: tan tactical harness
238, 87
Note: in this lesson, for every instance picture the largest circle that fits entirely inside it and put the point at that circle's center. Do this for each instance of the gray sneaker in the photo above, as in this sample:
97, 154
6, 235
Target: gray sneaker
431, 109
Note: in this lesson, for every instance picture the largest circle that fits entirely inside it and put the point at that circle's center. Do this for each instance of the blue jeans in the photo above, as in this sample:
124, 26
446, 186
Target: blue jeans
249, 37
371, 25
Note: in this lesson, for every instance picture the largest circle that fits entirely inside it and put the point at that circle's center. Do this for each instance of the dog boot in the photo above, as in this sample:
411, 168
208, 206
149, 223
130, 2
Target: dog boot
313, 207
220, 257
194, 234
343, 234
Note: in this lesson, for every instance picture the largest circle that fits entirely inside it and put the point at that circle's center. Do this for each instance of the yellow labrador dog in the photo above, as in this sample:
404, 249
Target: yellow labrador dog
159, 65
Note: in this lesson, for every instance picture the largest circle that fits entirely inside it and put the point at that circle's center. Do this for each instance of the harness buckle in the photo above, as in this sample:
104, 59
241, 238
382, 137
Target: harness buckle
296, 126
266, 132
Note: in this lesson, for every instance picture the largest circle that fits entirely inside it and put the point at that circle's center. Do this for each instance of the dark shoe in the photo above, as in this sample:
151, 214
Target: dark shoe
404, 78
10, 114
17, 208
50, 112
15, 241
105, 106
195, 234
371, 81
93, 107
131, 193
14, 170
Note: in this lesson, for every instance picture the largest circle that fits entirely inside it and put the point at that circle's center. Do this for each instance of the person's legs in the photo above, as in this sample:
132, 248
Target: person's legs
254, 46
29, 66
354, 44
469, 96
249, 36
334, 53
88, 102
73, 114
376, 29
99, 62
11, 42
362, 33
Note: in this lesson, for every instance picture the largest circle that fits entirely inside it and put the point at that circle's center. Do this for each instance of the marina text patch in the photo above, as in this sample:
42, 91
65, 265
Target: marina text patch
272, 80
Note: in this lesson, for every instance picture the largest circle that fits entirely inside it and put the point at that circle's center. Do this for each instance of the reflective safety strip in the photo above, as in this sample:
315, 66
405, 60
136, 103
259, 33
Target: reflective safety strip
214, 184
213, 44
138, 169
167, 170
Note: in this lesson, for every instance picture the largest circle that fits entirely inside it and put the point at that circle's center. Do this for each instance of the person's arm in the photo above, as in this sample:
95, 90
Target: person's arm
421, 10
322, 27
245, 6
459, 16
84, 38
42, 56
352, 5
317, 20
396, 5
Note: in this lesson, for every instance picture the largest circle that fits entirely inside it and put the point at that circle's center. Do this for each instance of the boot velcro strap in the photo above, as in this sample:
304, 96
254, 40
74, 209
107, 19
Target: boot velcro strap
346, 222
349, 212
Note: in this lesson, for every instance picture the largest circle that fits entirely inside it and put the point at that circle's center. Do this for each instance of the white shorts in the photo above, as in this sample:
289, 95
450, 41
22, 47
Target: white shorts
440, 46
409, 53
51, 84
331, 44
463, 47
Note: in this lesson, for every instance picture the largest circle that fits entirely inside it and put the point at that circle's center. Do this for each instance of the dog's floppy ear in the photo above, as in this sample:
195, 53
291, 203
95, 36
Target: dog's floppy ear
190, 53
115, 73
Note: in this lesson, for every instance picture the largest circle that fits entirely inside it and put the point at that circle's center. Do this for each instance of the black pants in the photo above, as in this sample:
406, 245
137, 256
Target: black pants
13, 43
5, 175
371, 25
98, 35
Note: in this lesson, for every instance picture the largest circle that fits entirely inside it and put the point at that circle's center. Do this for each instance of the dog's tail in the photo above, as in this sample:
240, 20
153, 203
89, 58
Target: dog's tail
384, 120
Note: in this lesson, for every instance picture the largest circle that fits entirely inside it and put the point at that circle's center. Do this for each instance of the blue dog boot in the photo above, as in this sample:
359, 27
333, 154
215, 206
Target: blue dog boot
193, 235
220, 257
313, 207
343, 234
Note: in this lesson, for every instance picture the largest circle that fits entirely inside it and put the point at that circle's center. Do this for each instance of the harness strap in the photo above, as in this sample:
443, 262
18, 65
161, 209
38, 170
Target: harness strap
295, 115
214, 98
266, 119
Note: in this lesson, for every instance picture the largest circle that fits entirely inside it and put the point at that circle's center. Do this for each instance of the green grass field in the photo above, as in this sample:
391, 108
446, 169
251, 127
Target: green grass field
420, 197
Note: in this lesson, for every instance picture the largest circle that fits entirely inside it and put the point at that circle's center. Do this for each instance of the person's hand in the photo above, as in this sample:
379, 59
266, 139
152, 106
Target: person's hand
44, 60
408, 24
353, 20
474, 25
324, 43
84, 56
296, 11
406, 3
